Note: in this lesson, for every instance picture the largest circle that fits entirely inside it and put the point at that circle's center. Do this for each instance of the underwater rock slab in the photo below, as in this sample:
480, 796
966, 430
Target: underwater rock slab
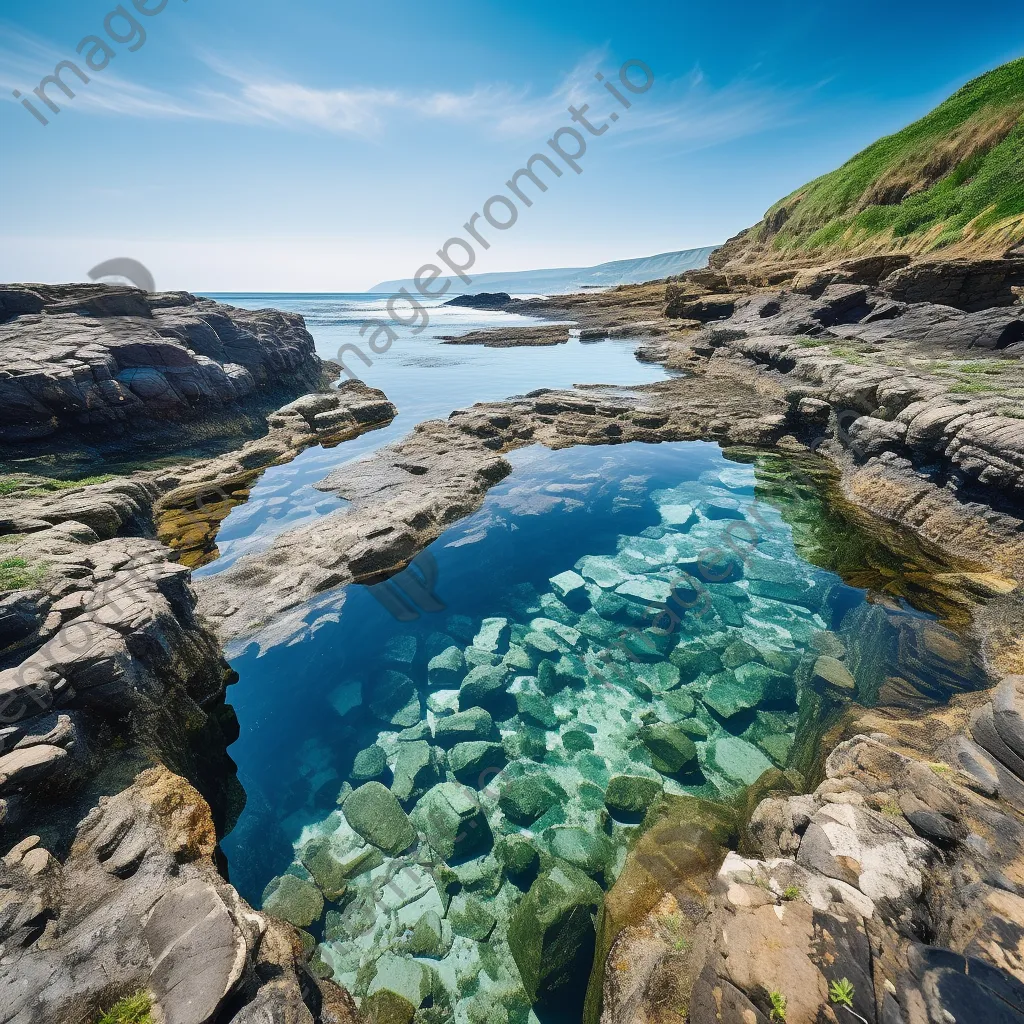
369, 764
474, 761
294, 900
671, 749
492, 635
417, 768
482, 687
403, 976
571, 588
470, 919
392, 697
737, 760
551, 934
526, 798
445, 670
374, 813
472, 724
834, 673
451, 819
632, 794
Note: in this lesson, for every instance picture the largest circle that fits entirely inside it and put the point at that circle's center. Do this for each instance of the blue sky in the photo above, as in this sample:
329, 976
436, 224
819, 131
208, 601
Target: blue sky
314, 145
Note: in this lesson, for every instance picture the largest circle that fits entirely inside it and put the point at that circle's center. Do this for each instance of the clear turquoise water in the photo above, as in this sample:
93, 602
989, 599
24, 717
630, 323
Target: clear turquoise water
688, 617
425, 378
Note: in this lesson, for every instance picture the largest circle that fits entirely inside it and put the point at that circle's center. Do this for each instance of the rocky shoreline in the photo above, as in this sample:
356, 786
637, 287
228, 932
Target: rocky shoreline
96, 370
874, 877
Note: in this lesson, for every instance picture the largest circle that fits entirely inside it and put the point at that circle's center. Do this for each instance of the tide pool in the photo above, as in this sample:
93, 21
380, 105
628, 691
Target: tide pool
440, 799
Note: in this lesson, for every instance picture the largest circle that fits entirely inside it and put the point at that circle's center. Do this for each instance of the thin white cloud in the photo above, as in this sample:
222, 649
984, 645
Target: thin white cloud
688, 110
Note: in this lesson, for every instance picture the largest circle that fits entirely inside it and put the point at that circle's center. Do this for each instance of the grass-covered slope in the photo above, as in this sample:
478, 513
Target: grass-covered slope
952, 182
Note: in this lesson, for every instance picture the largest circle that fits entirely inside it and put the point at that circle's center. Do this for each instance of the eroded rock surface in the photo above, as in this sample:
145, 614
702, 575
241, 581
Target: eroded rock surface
81, 359
897, 881
403, 496
138, 906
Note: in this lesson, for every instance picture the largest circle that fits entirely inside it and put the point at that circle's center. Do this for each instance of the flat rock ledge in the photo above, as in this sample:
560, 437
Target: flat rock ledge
138, 906
892, 892
94, 359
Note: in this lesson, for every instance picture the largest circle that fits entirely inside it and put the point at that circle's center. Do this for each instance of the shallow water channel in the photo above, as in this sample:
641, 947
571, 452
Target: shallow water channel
444, 777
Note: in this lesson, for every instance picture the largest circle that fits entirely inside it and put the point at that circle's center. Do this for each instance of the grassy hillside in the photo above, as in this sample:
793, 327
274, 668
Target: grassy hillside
952, 181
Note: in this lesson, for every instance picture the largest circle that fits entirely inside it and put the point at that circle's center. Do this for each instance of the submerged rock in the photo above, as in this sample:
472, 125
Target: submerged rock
329, 874
516, 854
476, 761
588, 849
417, 768
450, 817
551, 933
483, 687
832, 672
528, 797
473, 724
429, 938
492, 636
571, 588
632, 794
403, 977
293, 900
392, 698
737, 760
672, 751
374, 812
535, 707
369, 764
446, 669
470, 918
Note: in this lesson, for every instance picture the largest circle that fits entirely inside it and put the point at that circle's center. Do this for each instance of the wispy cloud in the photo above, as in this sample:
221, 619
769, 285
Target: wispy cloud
688, 110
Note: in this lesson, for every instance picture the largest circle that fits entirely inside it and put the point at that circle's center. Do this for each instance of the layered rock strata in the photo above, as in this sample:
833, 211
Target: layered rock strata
138, 907
100, 644
891, 893
88, 361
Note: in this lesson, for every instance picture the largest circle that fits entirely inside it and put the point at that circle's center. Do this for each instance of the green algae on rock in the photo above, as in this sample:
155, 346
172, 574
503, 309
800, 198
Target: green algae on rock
374, 812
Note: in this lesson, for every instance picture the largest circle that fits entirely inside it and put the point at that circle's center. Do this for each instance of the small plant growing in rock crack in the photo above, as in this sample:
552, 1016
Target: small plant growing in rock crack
841, 993
778, 1003
939, 768
792, 892
134, 1009
892, 809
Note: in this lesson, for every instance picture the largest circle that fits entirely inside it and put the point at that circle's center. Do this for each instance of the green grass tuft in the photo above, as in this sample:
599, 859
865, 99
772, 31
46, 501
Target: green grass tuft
134, 1009
18, 574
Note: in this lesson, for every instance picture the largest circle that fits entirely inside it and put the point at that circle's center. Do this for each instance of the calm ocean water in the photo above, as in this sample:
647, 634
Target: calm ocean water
425, 378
